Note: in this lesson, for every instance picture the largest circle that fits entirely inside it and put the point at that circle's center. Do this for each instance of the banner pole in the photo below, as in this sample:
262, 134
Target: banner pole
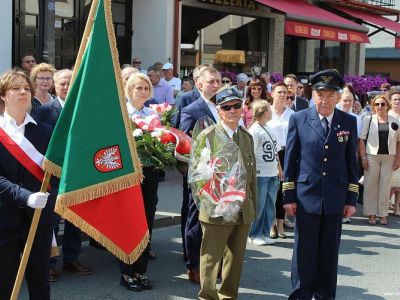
29, 242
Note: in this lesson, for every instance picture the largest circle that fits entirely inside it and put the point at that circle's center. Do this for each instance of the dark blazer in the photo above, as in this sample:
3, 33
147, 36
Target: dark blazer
193, 112
16, 183
49, 113
184, 100
321, 174
300, 104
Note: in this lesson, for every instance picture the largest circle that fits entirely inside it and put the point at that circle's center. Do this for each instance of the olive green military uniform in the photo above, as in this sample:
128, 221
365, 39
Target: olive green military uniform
228, 240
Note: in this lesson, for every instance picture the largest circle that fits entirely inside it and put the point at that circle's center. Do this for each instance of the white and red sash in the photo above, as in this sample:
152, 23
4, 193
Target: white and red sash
23, 151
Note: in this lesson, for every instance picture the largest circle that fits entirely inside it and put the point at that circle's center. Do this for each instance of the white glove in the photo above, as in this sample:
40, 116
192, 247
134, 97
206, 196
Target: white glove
37, 200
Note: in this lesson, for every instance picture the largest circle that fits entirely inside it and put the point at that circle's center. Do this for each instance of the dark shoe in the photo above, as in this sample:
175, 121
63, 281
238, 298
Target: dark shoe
53, 275
77, 268
193, 275
152, 255
144, 282
131, 284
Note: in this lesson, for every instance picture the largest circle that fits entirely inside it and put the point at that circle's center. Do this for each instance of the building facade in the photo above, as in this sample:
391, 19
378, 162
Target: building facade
287, 36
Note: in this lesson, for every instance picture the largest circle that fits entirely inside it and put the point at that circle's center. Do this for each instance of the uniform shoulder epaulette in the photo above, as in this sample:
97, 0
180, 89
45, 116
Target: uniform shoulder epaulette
208, 130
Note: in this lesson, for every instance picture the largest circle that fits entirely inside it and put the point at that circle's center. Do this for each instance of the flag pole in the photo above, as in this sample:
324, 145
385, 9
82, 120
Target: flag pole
47, 176
29, 241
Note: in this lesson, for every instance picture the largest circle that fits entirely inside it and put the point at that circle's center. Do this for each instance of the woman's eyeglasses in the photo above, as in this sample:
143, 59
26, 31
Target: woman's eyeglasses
380, 104
229, 107
291, 98
225, 81
43, 79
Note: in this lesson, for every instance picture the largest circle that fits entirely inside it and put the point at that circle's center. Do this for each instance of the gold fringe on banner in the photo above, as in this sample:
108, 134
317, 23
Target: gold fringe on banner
97, 190
54, 251
102, 239
121, 94
51, 168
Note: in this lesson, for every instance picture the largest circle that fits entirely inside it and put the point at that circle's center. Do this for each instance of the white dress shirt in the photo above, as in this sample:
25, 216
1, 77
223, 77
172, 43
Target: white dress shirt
7, 122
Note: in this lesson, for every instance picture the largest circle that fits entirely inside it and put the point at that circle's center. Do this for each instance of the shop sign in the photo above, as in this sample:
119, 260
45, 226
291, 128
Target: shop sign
249, 4
324, 33
230, 56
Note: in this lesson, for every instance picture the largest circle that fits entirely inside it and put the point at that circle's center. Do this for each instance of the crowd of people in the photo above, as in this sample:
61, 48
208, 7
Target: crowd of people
307, 149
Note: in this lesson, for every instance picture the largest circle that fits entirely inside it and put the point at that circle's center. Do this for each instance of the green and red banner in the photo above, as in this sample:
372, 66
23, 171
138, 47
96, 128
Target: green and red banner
93, 151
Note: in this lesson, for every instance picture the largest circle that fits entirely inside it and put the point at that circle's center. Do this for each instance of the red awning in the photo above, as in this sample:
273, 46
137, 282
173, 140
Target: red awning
307, 20
374, 19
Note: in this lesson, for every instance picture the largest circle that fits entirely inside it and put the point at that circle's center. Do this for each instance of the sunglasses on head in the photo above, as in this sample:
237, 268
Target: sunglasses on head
229, 107
380, 104
226, 81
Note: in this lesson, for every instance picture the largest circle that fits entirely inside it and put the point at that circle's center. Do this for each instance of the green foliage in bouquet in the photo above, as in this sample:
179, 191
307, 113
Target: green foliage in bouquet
154, 153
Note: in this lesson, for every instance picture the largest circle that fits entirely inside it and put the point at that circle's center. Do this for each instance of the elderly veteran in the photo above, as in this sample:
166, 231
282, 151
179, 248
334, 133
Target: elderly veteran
221, 239
320, 186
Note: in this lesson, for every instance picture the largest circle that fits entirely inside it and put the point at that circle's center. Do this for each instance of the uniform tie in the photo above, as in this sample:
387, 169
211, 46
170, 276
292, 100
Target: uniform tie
326, 126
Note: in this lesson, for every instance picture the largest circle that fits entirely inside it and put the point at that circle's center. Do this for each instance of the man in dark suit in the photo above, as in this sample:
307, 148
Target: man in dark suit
320, 186
299, 103
209, 82
49, 114
189, 97
19, 189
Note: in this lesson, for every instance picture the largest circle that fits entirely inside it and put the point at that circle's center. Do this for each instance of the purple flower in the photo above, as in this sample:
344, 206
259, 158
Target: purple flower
276, 77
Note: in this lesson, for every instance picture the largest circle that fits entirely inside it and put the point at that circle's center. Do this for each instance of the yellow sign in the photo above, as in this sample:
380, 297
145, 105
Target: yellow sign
230, 56
249, 4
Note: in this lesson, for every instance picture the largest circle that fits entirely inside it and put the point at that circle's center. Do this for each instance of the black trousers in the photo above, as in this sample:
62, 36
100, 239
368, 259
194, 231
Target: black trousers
280, 211
12, 243
149, 191
315, 256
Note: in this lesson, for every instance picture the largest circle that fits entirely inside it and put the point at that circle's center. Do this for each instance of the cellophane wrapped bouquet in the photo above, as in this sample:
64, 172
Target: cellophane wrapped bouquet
216, 174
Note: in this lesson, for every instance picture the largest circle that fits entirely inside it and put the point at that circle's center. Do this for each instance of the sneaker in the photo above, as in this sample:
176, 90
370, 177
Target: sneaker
257, 241
346, 221
269, 241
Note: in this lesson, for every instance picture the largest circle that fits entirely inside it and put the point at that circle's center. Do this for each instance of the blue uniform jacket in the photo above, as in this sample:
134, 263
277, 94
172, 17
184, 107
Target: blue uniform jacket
16, 183
320, 174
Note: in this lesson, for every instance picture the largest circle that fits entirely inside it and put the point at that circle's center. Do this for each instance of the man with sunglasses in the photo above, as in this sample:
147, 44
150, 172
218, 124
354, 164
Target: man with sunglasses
227, 240
298, 102
208, 83
320, 186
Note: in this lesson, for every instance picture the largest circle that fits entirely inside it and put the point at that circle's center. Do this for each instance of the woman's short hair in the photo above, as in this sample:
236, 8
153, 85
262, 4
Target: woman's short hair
42, 67
8, 77
393, 91
259, 108
279, 83
380, 97
133, 80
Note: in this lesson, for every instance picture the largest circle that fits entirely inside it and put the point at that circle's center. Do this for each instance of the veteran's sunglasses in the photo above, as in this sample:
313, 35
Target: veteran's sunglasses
229, 107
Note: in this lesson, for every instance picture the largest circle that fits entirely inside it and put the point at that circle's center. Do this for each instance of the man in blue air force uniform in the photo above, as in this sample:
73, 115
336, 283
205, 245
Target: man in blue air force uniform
320, 186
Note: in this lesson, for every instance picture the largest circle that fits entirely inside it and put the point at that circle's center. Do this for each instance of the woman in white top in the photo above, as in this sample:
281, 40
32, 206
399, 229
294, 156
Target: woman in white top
268, 170
279, 126
394, 97
379, 147
346, 105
